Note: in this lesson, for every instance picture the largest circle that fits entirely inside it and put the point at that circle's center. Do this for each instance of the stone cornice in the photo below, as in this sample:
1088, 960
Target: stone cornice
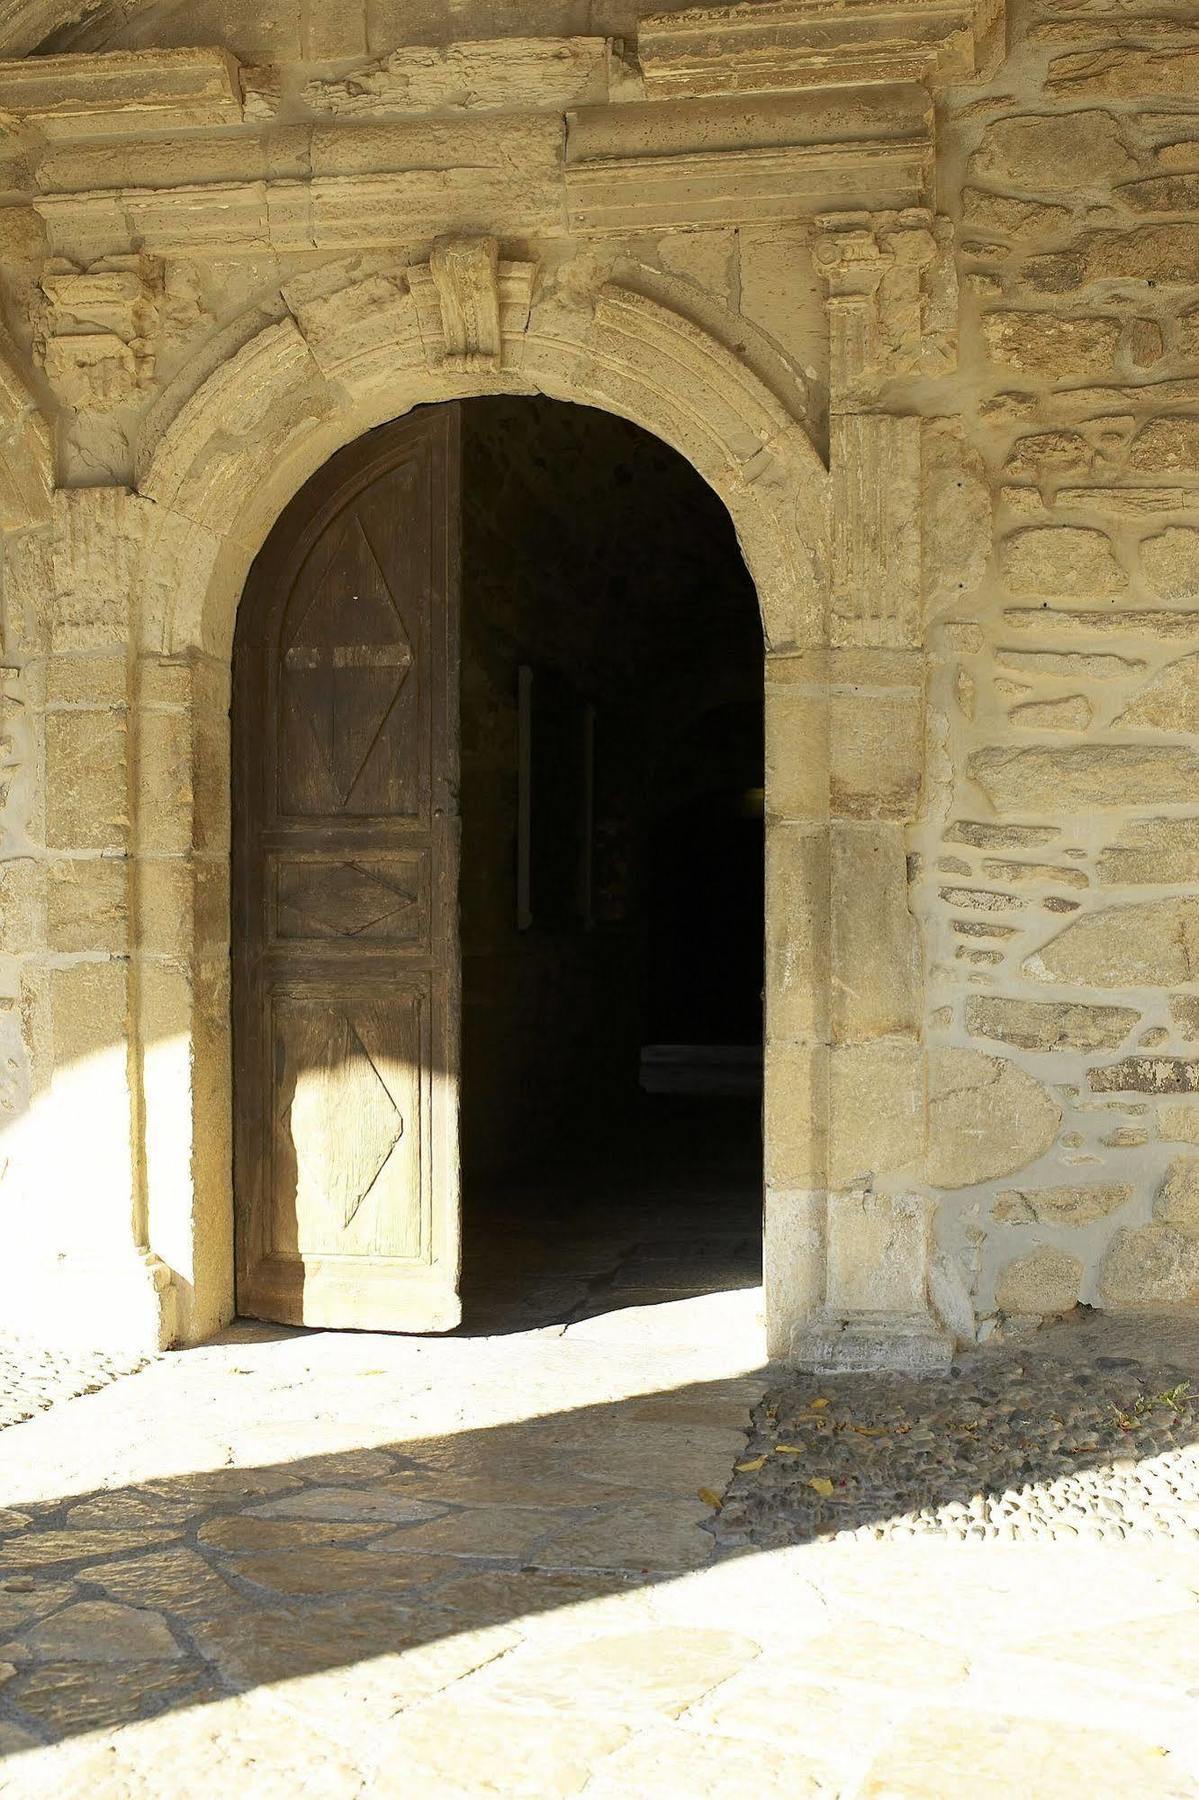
119, 93
788, 44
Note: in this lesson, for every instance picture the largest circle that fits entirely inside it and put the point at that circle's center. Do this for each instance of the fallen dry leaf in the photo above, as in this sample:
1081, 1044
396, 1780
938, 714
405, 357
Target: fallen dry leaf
819, 1404
710, 1497
820, 1484
871, 1430
751, 1467
788, 1449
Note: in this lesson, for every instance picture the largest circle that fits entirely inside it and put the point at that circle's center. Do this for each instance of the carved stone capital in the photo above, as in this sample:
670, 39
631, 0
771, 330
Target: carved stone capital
467, 301
891, 297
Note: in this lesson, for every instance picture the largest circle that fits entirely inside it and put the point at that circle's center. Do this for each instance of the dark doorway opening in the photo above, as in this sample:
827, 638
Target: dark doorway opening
611, 873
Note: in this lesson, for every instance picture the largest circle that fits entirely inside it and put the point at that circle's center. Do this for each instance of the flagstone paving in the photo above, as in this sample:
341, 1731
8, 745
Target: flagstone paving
344, 1565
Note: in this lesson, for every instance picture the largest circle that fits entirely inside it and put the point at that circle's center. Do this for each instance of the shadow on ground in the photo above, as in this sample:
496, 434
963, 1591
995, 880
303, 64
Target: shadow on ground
432, 1547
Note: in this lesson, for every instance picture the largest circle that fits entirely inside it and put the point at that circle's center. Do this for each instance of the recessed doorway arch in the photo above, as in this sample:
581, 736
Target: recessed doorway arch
219, 474
482, 673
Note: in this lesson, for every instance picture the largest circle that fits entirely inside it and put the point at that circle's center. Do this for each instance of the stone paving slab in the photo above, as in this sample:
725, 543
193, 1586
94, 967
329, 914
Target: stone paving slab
322, 1565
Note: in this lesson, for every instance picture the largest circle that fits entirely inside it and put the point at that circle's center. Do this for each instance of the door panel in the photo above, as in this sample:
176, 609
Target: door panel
345, 852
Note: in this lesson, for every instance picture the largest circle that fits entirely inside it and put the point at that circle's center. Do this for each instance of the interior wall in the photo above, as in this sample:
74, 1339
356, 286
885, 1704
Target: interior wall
596, 557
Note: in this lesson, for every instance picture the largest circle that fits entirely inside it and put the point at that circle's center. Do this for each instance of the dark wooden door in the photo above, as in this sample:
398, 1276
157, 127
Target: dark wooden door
345, 869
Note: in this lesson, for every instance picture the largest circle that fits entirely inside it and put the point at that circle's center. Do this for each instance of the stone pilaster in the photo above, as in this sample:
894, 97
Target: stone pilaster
83, 1267
873, 1310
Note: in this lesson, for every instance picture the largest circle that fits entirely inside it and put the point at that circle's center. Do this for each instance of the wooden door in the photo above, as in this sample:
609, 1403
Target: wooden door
345, 871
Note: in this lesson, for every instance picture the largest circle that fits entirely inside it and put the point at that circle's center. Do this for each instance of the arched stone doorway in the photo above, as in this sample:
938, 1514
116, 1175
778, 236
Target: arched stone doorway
565, 585
229, 442
350, 357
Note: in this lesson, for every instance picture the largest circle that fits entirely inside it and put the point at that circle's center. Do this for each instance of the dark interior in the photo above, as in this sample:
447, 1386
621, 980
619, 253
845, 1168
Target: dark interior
612, 894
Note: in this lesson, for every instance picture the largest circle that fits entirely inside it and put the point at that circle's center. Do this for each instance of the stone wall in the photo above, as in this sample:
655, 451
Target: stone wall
1055, 873
920, 301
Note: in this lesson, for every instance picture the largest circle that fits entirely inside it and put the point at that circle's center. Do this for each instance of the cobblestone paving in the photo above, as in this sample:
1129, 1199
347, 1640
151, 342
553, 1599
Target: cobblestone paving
33, 1377
1013, 1447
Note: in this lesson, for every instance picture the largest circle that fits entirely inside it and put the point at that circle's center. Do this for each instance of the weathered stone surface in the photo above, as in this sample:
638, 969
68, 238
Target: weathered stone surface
1048, 1024
1177, 1201
1178, 1123
1133, 622
1046, 1281
1073, 713
1152, 944
1168, 702
1165, 254
1146, 1075
985, 836
981, 899
956, 515
1171, 563
1184, 1011
1050, 455
1061, 559
1162, 193
1060, 874
1166, 446
555, 72
1073, 778
1076, 664
1153, 1266
1060, 1205
869, 912
103, 1631
1152, 850
984, 211
876, 1106
1048, 152
1144, 342
986, 1117
1125, 74
1043, 342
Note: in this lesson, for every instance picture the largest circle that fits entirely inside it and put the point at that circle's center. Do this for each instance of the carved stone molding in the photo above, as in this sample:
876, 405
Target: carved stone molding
98, 330
876, 598
892, 299
26, 451
788, 44
122, 92
467, 300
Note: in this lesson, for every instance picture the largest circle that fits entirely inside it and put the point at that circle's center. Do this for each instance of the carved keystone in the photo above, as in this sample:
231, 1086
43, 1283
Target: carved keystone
468, 301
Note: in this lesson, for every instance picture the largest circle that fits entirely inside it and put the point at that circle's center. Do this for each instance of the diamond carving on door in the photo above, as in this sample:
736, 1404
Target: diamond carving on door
345, 962
346, 662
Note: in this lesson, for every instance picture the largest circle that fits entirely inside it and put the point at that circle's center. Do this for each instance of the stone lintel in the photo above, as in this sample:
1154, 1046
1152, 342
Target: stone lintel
816, 43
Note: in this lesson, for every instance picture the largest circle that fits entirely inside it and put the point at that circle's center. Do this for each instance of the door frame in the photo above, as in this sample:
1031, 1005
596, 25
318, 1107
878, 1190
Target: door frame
845, 1087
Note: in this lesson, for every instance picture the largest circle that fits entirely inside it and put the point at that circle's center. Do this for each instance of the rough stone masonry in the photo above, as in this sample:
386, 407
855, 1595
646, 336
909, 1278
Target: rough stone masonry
918, 293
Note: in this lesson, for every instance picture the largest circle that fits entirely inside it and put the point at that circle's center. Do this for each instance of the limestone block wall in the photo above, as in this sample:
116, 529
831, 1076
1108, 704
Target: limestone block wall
1055, 873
